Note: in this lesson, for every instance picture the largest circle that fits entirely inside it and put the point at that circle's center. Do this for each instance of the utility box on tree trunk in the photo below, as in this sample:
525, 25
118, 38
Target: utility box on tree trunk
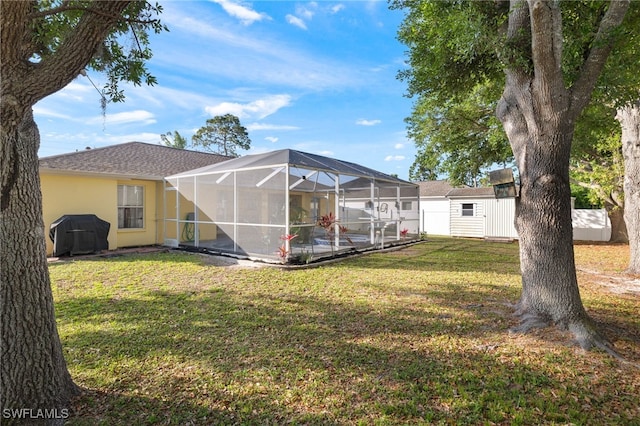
504, 185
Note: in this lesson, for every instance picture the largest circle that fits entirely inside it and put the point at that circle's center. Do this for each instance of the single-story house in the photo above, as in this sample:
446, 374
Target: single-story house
477, 213
270, 206
152, 194
121, 184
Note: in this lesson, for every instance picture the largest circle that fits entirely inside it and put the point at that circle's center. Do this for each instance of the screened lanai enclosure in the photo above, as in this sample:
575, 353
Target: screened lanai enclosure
288, 206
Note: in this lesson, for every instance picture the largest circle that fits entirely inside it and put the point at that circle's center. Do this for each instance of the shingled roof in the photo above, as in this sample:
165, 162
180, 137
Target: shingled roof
132, 159
434, 188
442, 188
472, 192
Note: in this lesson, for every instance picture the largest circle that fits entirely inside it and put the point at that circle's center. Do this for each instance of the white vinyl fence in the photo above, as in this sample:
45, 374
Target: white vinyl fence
591, 225
493, 218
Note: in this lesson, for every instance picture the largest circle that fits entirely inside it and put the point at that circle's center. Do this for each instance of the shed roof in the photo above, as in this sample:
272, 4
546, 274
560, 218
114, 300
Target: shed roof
484, 192
293, 158
132, 159
434, 188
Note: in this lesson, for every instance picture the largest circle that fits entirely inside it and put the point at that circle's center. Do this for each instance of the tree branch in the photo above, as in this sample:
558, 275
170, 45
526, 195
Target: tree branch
56, 71
593, 65
12, 12
546, 46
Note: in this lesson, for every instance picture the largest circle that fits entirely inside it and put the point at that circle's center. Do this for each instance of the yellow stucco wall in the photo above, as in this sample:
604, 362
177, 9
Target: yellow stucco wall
80, 194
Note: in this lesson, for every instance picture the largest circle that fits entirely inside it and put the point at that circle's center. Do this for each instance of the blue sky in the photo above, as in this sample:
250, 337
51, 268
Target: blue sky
315, 76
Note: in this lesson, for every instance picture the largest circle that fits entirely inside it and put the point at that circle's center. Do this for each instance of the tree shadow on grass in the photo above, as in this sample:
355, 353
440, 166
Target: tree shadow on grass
225, 357
113, 408
456, 255
620, 326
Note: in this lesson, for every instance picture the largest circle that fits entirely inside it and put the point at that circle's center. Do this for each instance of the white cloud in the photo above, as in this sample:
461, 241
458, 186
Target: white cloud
363, 122
394, 158
271, 139
244, 14
226, 54
295, 21
399, 146
46, 112
138, 116
304, 12
77, 91
337, 8
226, 108
265, 126
372, 5
260, 108
162, 96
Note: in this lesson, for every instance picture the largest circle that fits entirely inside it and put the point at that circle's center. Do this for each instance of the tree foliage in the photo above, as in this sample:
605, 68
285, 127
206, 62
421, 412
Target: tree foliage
596, 156
452, 46
455, 73
449, 61
458, 138
174, 140
223, 134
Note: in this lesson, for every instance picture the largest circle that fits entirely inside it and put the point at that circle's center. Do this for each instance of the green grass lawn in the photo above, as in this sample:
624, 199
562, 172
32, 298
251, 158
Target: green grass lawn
416, 336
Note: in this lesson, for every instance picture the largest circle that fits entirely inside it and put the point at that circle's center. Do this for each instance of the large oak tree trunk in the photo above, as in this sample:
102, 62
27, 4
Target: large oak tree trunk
32, 366
538, 114
542, 145
629, 118
33, 373
619, 232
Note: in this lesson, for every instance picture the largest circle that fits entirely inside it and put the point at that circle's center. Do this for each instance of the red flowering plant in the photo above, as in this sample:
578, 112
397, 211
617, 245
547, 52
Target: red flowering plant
284, 249
343, 231
403, 233
327, 222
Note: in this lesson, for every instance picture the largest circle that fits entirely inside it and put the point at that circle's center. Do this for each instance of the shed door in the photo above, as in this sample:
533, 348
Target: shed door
499, 218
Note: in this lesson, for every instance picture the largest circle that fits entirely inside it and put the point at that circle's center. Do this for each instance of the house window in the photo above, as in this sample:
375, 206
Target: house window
407, 205
130, 207
467, 209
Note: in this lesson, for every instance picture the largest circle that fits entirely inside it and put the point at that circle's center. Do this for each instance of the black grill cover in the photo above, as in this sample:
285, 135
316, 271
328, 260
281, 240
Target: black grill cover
79, 234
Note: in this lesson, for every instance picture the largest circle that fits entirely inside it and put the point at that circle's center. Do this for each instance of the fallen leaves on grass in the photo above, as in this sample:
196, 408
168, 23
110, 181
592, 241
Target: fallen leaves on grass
416, 336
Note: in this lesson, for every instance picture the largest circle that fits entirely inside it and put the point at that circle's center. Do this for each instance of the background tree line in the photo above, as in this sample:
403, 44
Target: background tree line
222, 134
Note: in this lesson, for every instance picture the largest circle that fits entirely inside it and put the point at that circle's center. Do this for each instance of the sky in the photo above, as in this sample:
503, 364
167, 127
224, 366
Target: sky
319, 77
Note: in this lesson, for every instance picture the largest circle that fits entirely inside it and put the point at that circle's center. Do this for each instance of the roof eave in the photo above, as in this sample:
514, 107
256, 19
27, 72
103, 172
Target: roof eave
120, 176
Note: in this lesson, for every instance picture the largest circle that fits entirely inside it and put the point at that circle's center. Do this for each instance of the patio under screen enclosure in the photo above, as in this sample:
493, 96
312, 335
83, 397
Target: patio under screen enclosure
288, 206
